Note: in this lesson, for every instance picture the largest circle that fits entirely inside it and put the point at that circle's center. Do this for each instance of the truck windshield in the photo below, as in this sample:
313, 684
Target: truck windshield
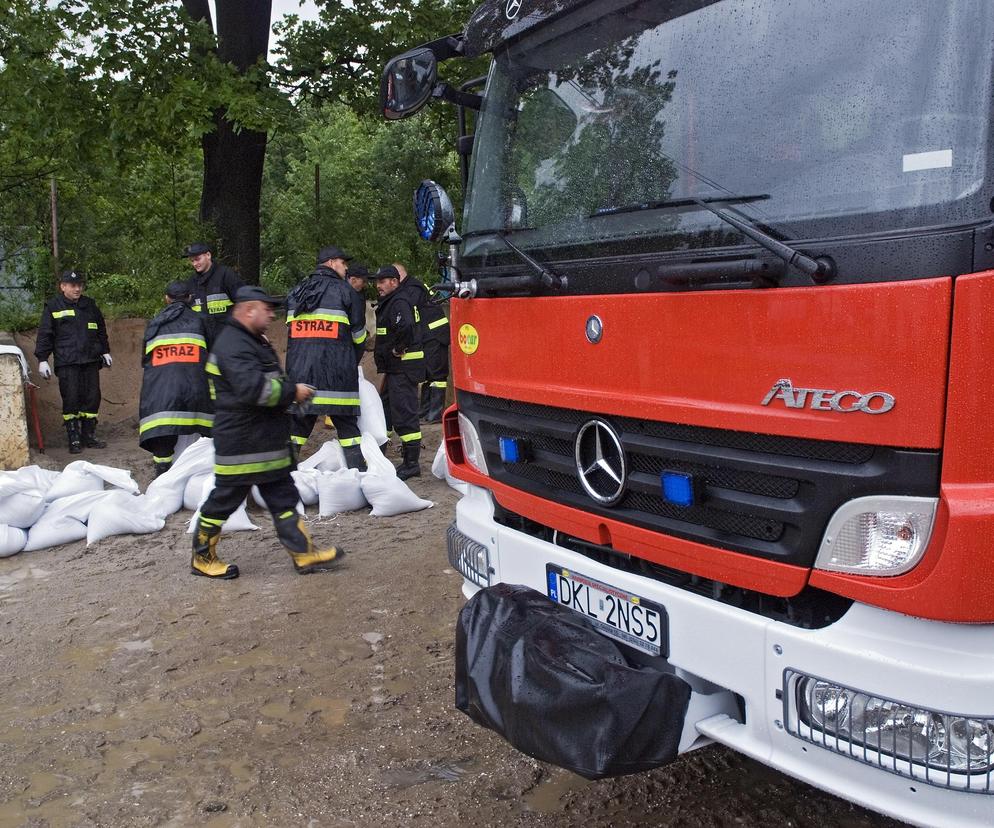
849, 117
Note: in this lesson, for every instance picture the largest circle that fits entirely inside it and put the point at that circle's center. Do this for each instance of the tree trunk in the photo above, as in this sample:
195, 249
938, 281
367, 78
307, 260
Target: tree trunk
233, 161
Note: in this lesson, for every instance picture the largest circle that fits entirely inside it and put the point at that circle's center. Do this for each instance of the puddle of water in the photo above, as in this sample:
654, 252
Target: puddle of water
87, 659
24, 573
398, 686
55, 811
331, 711
426, 772
546, 797
136, 646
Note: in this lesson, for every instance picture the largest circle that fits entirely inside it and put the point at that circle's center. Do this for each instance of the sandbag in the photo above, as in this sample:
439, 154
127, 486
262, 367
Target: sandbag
74, 480
237, 522
63, 521
193, 492
27, 477
21, 509
390, 495
539, 675
257, 498
375, 461
440, 468
121, 513
306, 481
12, 540
168, 488
329, 457
340, 492
372, 420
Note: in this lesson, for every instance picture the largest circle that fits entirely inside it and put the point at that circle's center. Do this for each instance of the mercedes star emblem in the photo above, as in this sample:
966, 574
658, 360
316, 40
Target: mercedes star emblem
594, 330
512, 8
600, 462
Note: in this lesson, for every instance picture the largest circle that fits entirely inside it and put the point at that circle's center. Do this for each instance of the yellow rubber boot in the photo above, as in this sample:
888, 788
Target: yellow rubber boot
293, 534
205, 561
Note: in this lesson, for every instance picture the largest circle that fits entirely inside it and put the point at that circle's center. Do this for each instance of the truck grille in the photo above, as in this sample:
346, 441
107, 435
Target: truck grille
764, 495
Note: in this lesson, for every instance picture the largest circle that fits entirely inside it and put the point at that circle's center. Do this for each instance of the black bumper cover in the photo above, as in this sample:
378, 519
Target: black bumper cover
540, 676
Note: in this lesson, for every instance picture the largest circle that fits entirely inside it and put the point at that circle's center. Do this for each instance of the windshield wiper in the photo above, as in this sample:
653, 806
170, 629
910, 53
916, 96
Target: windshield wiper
678, 202
820, 269
542, 278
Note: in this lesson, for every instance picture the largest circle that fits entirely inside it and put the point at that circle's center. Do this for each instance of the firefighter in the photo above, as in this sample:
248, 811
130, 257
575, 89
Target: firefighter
174, 396
252, 438
213, 286
435, 338
326, 324
73, 327
399, 356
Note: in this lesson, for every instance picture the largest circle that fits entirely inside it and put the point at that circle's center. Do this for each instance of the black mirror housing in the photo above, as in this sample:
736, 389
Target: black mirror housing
407, 83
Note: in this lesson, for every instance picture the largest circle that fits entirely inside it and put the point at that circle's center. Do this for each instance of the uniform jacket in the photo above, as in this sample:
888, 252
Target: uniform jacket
398, 347
213, 295
251, 397
74, 331
326, 321
174, 396
431, 316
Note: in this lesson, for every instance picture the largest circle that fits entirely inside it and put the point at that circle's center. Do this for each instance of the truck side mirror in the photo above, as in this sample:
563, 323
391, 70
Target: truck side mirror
407, 83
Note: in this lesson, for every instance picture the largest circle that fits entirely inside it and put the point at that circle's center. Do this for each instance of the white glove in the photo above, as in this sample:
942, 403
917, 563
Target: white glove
44, 370
107, 360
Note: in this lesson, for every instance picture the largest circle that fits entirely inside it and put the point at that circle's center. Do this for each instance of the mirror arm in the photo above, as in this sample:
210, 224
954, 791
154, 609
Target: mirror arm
452, 95
446, 47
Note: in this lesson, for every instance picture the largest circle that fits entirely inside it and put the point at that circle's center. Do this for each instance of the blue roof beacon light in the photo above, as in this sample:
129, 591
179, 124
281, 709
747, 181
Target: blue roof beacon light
514, 450
678, 488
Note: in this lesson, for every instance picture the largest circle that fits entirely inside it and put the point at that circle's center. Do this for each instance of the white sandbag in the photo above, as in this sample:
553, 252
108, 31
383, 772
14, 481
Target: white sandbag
372, 420
183, 442
121, 513
375, 461
306, 481
118, 478
75, 479
12, 540
21, 509
390, 495
257, 498
440, 468
64, 520
329, 458
168, 488
193, 492
339, 492
237, 522
78, 506
27, 477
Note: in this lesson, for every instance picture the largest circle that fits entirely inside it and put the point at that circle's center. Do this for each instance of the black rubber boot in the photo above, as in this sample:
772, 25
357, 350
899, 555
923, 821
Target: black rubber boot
411, 466
354, 458
90, 434
293, 534
75, 440
205, 561
436, 405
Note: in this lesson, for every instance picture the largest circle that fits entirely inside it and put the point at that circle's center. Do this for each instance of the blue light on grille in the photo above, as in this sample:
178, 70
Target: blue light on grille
510, 450
678, 488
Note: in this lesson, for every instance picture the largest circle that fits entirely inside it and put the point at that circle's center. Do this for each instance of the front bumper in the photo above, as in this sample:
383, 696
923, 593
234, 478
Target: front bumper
722, 652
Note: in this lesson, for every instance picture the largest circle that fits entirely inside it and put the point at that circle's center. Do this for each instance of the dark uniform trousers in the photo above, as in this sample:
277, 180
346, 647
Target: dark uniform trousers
400, 403
280, 497
79, 386
346, 425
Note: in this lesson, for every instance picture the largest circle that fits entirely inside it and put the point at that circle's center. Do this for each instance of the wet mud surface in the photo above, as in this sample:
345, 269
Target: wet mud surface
137, 695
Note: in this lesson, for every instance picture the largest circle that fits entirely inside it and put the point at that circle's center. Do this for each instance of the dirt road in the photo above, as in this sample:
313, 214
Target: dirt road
136, 694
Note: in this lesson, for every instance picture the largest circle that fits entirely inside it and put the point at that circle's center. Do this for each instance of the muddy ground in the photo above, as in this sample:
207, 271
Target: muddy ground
136, 694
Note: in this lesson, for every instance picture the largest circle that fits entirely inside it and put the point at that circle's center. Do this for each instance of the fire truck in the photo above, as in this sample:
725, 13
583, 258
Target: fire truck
723, 317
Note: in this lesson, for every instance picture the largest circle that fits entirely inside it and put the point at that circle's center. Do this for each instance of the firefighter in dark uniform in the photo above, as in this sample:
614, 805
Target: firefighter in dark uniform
174, 396
435, 339
252, 438
326, 321
73, 328
213, 287
399, 356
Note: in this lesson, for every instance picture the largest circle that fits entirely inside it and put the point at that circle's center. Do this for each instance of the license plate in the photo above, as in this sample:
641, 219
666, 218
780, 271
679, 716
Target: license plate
618, 614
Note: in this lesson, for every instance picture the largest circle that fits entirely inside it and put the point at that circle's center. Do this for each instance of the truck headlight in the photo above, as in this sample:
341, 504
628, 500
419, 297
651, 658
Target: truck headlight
877, 535
885, 732
472, 448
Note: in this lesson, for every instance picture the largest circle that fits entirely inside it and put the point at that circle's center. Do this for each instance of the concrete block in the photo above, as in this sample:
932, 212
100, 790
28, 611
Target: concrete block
13, 419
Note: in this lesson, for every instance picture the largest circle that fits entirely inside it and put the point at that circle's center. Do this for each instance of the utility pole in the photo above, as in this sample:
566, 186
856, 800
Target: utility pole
55, 227
317, 197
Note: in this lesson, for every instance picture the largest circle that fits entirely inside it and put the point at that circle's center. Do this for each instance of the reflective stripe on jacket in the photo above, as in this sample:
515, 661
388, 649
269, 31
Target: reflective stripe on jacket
398, 347
74, 331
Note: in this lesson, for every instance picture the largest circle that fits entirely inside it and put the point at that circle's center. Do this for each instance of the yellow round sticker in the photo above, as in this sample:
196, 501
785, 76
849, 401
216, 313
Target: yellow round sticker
469, 339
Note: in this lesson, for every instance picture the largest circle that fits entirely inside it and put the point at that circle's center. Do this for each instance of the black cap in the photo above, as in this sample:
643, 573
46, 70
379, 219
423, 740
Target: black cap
177, 290
358, 269
195, 249
387, 272
254, 293
332, 252
73, 277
